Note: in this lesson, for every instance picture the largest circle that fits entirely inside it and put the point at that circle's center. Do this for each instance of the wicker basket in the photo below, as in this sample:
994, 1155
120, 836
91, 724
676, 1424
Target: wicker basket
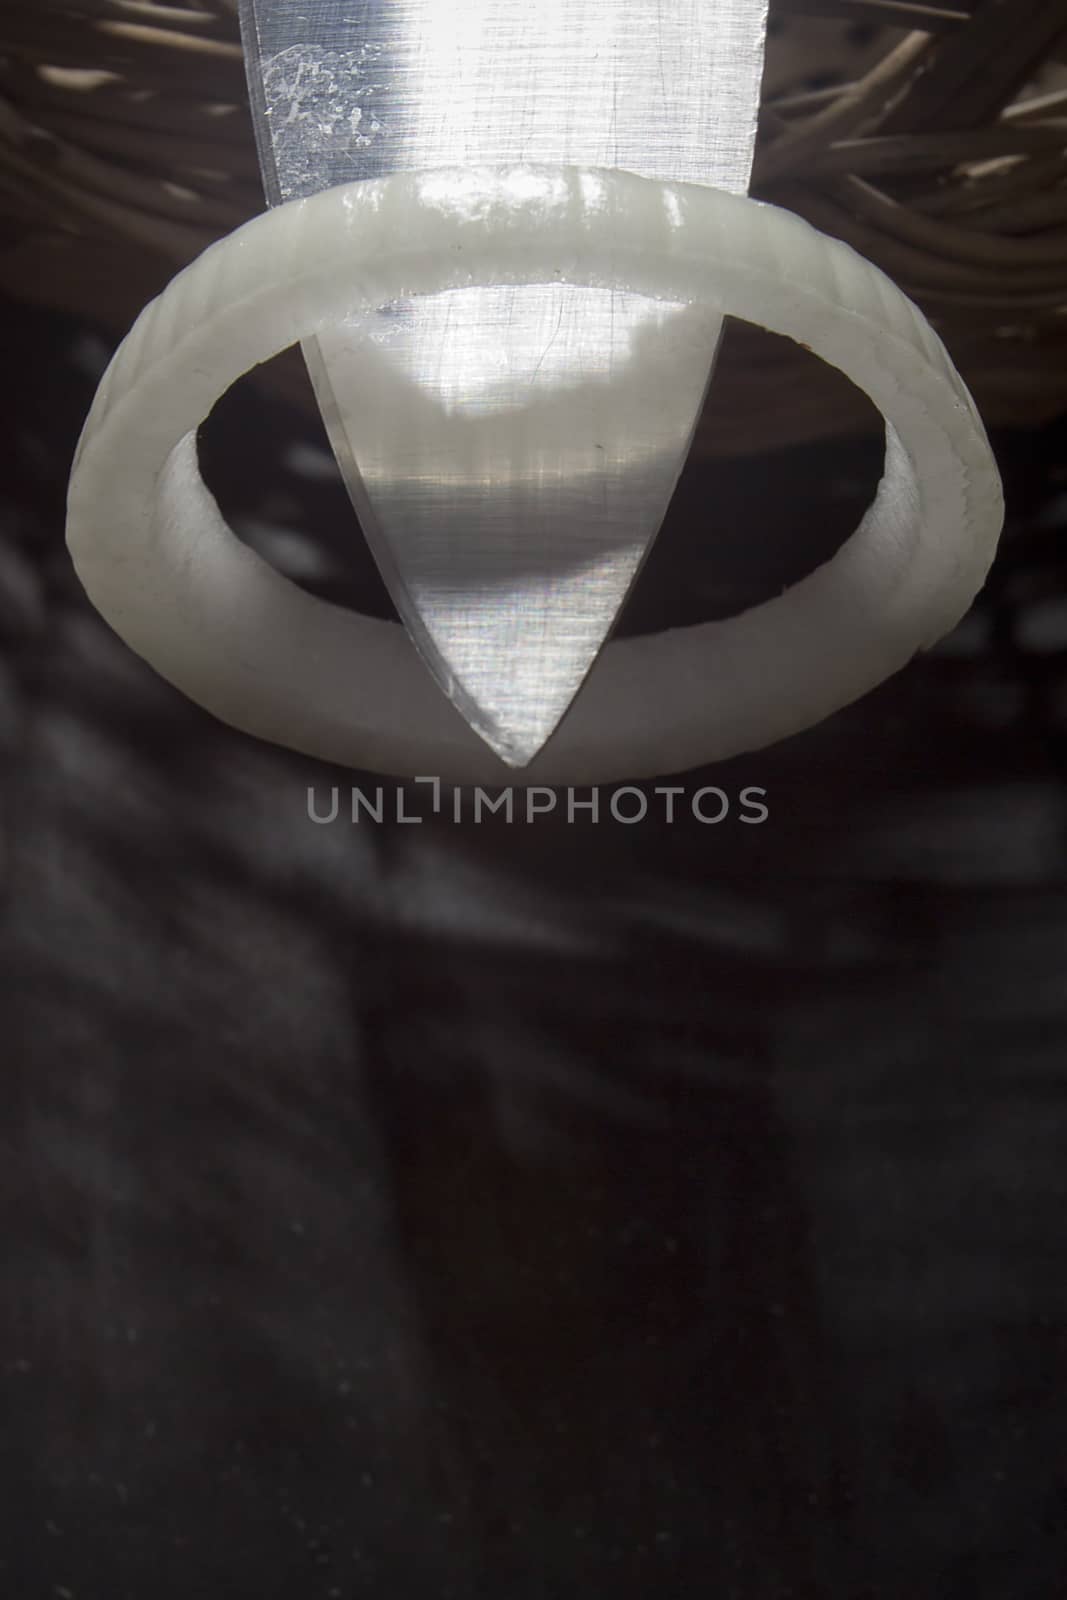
932, 137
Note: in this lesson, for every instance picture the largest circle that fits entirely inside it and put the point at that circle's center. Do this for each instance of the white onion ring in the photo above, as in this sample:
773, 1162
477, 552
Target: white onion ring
158, 561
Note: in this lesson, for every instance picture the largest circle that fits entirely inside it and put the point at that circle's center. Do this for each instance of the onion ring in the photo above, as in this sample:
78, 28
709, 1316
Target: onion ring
212, 617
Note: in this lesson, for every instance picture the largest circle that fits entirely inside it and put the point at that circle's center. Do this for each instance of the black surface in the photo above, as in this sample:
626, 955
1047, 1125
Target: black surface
506, 1212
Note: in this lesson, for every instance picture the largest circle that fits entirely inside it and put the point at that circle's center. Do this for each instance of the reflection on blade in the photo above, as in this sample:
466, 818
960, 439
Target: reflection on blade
512, 452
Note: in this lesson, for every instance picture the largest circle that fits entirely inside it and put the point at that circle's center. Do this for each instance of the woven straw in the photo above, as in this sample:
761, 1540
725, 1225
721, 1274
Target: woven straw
937, 145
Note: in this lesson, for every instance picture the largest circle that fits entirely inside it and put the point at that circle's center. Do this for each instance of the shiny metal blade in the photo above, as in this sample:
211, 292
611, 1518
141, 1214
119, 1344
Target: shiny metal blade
511, 452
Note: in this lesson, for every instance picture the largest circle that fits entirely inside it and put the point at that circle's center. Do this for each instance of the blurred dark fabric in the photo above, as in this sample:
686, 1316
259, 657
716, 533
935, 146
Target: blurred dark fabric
516, 1212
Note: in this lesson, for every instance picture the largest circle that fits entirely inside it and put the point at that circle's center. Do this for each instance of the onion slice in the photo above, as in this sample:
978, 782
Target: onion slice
159, 562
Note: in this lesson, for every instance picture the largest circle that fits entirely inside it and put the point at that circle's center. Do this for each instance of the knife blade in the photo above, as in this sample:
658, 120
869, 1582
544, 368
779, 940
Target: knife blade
510, 452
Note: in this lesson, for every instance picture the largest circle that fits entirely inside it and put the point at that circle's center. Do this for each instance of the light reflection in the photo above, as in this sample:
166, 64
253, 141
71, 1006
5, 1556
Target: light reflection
552, 340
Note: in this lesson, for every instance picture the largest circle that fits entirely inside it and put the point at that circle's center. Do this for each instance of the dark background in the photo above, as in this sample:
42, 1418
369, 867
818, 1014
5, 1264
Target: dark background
500, 1213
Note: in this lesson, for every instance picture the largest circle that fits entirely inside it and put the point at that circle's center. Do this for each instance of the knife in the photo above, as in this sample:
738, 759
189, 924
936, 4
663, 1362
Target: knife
510, 452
